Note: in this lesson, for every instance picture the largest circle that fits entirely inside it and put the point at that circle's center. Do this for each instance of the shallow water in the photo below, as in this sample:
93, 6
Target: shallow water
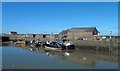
16, 57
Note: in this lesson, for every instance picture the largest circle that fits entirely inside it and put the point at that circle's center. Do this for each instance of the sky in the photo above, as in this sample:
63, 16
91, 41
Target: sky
53, 17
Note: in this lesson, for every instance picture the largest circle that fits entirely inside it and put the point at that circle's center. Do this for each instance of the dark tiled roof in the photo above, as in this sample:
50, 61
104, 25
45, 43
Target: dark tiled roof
64, 31
13, 32
82, 29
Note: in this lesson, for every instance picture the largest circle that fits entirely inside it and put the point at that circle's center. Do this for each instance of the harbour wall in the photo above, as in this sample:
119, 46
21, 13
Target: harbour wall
85, 44
97, 45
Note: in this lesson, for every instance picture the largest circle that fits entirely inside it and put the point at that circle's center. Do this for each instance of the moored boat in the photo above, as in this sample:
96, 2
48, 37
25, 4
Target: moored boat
70, 46
61, 46
52, 48
20, 42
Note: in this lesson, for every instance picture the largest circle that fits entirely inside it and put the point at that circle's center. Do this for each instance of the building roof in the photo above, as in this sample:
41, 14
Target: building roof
12, 32
82, 29
64, 31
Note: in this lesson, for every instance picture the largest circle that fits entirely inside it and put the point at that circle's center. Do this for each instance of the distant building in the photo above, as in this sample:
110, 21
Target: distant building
4, 38
12, 32
84, 33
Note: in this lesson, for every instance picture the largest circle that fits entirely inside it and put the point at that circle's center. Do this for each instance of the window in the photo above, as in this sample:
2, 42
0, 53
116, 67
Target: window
44, 36
34, 35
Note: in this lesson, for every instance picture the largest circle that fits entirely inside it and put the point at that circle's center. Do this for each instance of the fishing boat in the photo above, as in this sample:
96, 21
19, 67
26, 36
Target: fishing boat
32, 45
52, 48
20, 42
70, 46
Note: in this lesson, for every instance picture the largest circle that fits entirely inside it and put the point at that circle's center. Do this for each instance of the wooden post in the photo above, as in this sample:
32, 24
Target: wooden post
110, 49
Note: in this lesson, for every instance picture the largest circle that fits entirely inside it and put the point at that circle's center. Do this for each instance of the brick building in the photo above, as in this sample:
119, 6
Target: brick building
84, 33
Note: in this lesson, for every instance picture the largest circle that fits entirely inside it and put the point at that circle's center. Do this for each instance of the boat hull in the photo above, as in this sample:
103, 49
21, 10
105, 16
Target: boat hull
52, 48
70, 47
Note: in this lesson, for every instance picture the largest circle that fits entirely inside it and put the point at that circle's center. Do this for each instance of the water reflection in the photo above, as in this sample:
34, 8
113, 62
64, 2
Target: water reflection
87, 57
4, 44
84, 57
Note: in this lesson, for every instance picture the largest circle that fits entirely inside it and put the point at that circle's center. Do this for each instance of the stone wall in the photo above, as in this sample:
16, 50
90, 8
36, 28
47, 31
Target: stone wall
78, 35
30, 37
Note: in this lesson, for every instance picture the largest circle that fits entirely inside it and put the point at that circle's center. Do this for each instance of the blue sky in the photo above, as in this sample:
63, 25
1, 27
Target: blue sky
53, 17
